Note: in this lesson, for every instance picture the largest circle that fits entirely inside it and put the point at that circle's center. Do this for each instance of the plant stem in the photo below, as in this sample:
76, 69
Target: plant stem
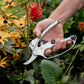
71, 62
28, 30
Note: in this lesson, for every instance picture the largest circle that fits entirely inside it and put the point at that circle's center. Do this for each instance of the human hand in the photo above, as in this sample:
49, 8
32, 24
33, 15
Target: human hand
55, 33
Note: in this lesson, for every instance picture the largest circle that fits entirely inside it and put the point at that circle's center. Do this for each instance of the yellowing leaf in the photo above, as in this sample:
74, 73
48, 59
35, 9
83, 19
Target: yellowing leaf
3, 62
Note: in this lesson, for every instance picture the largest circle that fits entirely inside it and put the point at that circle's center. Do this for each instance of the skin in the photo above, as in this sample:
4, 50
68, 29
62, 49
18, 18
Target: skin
63, 12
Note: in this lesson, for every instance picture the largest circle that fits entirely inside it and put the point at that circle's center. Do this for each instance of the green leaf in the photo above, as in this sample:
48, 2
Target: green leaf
67, 26
11, 28
57, 61
55, 1
82, 48
9, 51
18, 50
51, 72
59, 1
67, 77
28, 76
21, 82
13, 62
83, 38
74, 83
82, 78
9, 47
76, 46
36, 64
9, 44
82, 42
82, 75
1, 46
12, 78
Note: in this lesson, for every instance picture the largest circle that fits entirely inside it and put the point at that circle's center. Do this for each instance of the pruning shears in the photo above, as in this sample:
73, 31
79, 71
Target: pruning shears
38, 50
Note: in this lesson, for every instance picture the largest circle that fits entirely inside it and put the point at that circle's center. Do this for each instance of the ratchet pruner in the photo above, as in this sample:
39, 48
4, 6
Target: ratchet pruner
37, 50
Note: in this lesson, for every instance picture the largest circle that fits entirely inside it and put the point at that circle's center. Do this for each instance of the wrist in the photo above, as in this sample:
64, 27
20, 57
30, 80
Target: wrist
60, 17
53, 20
66, 10
79, 4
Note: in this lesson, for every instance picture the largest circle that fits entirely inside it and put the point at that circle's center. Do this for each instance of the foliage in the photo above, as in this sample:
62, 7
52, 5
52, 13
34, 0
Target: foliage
51, 72
16, 28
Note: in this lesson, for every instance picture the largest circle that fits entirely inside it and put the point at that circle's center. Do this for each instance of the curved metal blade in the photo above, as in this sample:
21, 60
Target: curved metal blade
33, 57
25, 55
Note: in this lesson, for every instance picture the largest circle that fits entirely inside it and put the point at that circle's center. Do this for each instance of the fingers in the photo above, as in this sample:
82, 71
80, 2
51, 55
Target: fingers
68, 43
48, 52
41, 26
58, 45
63, 45
37, 31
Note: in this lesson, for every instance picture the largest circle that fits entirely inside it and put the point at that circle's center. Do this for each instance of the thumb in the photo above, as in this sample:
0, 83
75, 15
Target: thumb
41, 26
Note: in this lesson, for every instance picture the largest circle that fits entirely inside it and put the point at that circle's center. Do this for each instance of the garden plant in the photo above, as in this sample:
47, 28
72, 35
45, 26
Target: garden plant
18, 18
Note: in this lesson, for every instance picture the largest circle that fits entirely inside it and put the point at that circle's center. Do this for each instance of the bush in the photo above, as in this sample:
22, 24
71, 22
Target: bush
17, 21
